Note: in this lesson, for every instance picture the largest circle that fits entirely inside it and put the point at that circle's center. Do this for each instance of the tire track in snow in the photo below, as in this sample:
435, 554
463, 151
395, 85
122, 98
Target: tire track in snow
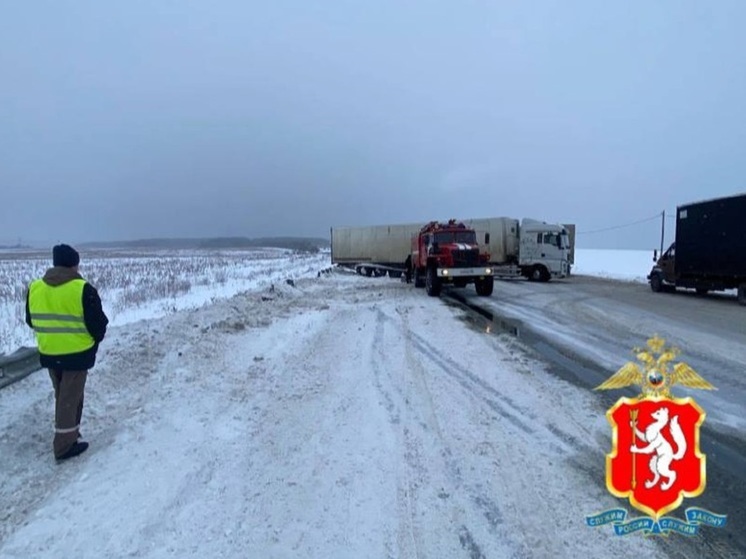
407, 532
422, 434
402, 403
468, 543
524, 434
565, 444
560, 442
499, 402
331, 445
454, 464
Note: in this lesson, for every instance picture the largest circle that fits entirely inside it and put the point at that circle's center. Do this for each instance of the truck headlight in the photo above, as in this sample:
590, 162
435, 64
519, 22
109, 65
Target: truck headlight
445, 272
488, 271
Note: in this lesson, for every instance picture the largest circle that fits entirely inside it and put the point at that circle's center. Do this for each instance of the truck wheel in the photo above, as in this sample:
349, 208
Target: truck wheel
432, 283
484, 286
419, 281
655, 283
538, 273
742, 294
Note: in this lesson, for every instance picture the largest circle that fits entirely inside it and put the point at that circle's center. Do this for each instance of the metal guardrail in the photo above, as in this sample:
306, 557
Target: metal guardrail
18, 365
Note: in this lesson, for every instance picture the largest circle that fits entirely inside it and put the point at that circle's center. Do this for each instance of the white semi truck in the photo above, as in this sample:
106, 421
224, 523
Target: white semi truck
533, 249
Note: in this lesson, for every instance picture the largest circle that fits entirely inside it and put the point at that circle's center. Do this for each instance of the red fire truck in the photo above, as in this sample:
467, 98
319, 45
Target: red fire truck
448, 254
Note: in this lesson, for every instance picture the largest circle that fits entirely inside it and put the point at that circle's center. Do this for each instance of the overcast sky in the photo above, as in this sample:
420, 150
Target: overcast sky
132, 119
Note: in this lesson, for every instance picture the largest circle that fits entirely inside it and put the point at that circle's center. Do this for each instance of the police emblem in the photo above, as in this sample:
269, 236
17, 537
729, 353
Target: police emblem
655, 460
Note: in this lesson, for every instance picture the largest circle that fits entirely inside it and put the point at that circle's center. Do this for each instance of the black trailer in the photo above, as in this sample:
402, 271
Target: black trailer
710, 249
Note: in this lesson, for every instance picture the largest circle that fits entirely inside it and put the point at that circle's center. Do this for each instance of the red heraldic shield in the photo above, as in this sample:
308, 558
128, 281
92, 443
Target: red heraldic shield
655, 458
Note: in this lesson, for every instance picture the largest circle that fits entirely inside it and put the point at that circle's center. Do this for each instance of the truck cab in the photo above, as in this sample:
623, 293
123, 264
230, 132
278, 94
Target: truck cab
448, 254
663, 275
544, 250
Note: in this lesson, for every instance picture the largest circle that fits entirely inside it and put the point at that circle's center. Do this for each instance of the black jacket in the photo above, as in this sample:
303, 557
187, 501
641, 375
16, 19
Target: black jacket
95, 322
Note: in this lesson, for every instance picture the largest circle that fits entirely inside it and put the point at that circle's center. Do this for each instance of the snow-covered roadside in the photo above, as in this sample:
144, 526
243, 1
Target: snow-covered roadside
347, 417
625, 265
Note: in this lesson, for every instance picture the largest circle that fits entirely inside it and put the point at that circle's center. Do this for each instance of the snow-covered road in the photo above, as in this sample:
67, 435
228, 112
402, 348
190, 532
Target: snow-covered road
346, 417
603, 320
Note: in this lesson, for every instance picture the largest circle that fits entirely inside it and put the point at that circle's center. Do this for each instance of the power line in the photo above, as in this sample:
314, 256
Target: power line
651, 218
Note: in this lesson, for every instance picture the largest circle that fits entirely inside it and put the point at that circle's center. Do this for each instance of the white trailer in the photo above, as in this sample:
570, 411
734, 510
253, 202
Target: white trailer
374, 250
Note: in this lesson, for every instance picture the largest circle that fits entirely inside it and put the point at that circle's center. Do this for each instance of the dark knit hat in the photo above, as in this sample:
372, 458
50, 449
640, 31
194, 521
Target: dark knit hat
65, 255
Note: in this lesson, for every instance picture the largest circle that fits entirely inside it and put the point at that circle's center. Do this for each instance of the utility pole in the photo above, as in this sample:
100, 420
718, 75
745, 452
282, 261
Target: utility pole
663, 228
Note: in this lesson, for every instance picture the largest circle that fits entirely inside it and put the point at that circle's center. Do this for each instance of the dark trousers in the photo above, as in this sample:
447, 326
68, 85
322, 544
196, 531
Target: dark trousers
68, 407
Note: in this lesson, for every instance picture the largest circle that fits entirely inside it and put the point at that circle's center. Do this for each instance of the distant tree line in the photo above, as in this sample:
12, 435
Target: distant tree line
303, 244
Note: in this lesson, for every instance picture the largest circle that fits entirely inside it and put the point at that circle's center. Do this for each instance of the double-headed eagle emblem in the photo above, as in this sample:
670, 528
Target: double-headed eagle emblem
656, 374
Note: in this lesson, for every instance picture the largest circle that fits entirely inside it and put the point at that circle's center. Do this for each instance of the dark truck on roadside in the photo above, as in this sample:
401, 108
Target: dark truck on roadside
709, 253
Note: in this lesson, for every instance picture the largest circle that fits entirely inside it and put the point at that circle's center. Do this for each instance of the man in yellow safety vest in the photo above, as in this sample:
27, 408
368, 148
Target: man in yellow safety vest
66, 314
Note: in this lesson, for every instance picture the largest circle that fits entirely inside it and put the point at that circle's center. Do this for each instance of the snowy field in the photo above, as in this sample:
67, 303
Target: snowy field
139, 285
628, 265
343, 417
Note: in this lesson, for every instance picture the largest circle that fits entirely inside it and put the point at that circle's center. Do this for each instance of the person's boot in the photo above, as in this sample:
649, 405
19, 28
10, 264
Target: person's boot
75, 449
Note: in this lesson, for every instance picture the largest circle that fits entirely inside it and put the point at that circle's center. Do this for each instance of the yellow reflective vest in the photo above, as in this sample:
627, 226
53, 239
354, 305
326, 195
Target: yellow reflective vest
57, 317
